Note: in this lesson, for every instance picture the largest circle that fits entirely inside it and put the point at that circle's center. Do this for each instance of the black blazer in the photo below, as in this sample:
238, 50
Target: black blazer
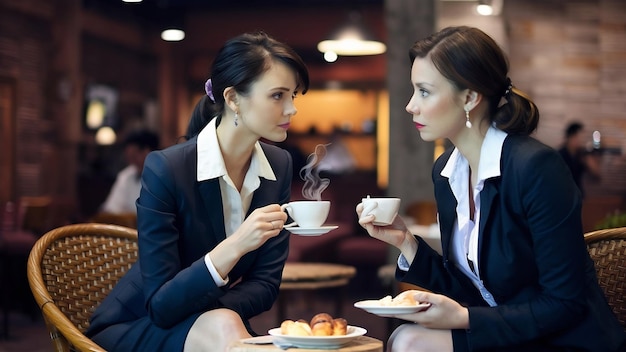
179, 221
532, 255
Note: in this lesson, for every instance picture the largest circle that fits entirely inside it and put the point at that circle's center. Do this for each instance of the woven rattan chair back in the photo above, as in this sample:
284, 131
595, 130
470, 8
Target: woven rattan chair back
70, 271
608, 251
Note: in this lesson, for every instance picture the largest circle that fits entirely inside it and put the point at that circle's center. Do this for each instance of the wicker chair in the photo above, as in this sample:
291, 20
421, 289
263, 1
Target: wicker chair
608, 251
70, 270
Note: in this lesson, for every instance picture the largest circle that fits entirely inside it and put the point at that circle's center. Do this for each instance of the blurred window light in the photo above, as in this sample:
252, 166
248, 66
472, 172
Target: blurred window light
96, 111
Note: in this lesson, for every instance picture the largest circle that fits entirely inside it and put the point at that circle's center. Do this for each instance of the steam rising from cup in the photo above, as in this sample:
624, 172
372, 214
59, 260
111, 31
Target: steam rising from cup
314, 185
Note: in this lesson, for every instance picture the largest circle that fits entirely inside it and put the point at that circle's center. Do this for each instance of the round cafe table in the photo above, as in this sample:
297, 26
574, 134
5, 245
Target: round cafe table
359, 344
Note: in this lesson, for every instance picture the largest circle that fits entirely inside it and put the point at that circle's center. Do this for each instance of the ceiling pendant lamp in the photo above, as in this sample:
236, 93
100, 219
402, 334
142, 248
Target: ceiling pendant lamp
484, 8
173, 34
173, 31
352, 38
489, 7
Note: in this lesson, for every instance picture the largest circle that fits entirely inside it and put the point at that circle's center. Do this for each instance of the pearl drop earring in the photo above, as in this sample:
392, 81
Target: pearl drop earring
468, 123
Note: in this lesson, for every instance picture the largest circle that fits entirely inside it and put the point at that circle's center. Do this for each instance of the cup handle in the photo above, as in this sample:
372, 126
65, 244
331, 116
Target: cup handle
367, 208
287, 207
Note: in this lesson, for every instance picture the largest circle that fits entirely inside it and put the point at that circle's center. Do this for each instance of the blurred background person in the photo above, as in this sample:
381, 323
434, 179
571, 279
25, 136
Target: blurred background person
125, 190
576, 156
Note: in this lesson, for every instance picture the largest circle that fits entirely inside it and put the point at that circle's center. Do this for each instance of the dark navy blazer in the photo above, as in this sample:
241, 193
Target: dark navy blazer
179, 221
532, 257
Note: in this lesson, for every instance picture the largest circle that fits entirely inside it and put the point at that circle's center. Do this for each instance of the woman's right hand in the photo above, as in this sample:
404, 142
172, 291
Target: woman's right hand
395, 234
262, 224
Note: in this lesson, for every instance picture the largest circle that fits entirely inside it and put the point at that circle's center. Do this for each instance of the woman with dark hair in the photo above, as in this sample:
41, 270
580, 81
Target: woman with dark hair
515, 274
211, 241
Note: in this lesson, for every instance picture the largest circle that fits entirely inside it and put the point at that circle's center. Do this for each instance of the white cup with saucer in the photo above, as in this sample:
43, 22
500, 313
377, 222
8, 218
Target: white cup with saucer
308, 217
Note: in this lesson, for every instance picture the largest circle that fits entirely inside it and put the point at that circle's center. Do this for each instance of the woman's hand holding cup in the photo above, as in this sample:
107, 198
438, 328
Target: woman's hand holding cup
384, 210
262, 224
379, 217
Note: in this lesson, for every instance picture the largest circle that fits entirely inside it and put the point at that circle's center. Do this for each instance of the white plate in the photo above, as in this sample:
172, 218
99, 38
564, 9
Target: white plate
320, 342
311, 231
374, 307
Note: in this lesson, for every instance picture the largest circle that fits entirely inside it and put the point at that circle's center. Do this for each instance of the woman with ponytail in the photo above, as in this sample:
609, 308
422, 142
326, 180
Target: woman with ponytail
212, 245
515, 274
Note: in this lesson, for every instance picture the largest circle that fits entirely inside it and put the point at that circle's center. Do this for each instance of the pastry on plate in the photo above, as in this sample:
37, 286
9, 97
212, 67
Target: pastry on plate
322, 324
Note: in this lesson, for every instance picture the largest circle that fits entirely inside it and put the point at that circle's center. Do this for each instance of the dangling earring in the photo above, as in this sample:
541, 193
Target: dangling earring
236, 119
468, 123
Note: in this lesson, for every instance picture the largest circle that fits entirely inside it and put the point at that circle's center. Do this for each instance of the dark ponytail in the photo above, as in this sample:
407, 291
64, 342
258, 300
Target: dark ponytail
518, 115
200, 117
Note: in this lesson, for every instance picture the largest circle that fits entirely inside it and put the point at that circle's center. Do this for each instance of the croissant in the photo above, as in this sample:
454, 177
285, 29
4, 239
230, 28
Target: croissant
403, 299
340, 326
324, 328
295, 328
320, 318
322, 324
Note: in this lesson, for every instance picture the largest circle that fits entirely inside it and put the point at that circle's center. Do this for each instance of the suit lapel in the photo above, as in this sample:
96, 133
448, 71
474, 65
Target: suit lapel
446, 204
257, 197
447, 212
212, 198
487, 197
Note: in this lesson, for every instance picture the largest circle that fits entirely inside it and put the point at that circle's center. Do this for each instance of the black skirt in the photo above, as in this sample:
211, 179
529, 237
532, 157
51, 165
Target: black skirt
143, 335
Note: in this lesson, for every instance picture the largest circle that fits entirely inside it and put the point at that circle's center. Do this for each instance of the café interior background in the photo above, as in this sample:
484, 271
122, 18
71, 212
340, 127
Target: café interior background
570, 56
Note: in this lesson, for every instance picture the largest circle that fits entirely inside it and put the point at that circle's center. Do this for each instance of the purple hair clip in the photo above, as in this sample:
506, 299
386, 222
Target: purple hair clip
208, 88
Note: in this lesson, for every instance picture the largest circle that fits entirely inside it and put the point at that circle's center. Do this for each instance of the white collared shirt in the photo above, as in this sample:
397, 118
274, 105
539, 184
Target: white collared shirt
466, 235
466, 232
236, 204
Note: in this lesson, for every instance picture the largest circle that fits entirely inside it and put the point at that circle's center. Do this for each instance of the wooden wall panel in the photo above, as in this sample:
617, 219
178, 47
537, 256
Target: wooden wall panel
7, 140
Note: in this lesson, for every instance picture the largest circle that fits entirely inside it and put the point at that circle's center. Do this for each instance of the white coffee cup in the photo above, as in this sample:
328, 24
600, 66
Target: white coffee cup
384, 209
307, 213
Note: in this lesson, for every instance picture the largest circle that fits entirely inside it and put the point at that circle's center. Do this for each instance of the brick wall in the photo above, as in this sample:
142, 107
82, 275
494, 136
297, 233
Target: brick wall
23, 51
570, 56
47, 158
